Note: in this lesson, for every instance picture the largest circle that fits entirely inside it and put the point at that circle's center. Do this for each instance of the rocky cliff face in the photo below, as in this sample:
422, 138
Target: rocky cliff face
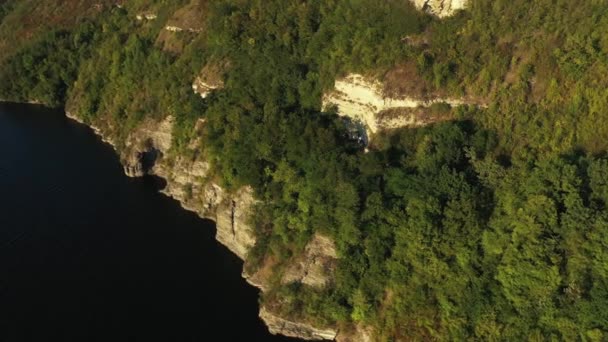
146, 145
440, 8
145, 153
316, 266
232, 220
282, 326
362, 99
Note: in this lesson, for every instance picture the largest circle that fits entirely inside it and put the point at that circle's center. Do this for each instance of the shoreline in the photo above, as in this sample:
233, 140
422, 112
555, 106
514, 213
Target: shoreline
275, 324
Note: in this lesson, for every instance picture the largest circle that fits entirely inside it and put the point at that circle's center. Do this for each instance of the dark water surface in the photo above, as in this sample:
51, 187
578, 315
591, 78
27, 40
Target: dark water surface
87, 254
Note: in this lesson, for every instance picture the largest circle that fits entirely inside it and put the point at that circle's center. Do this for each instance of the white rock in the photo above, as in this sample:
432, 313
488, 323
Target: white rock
283, 326
173, 29
362, 99
440, 8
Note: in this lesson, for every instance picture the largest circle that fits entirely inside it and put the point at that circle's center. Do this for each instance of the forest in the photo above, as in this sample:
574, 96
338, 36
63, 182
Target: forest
491, 226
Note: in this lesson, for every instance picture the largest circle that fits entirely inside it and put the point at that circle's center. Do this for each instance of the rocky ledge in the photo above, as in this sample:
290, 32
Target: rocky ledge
282, 326
363, 100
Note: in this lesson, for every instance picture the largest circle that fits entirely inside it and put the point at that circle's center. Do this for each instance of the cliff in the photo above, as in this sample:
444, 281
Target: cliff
282, 326
147, 151
316, 265
363, 100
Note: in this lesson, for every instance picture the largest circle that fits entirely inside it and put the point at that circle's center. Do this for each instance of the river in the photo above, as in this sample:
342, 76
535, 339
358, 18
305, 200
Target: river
87, 254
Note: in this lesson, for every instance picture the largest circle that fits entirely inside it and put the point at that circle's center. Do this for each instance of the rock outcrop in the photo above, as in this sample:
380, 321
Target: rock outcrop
172, 28
210, 78
185, 183
232, 221
146, 145
362, 100
146, 16
203, 87
282, 326
440, 8
316, 265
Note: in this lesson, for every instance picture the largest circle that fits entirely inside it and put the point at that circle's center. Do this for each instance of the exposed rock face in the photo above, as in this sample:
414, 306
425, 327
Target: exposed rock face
279, 325
185, 183
440, 8
146, 145
203, 88
233, 229
210, 78
362, 100
173, 28
143, 154
147, 16
316, 266
140, 163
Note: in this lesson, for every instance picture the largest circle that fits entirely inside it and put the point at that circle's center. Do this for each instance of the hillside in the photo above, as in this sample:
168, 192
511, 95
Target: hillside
389, 171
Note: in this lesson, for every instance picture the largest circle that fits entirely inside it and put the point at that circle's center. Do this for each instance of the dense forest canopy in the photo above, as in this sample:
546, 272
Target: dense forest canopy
491, 226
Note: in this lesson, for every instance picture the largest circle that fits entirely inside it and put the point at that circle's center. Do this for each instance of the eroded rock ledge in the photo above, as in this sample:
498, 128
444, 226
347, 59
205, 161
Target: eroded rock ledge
282, 326
362, 99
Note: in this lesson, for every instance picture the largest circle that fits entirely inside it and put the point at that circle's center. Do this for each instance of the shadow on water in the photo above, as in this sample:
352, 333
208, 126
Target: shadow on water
87, 254
154, 182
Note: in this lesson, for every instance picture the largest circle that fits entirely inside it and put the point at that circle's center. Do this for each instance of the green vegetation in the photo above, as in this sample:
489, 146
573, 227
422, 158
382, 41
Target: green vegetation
493, 226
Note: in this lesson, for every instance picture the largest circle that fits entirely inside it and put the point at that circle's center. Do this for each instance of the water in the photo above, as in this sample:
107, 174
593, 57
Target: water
87, 254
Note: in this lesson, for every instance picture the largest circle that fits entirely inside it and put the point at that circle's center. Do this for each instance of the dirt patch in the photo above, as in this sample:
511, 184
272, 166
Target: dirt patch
413, 117
191, 17
174, 42
404, 79
183, 26
213, 73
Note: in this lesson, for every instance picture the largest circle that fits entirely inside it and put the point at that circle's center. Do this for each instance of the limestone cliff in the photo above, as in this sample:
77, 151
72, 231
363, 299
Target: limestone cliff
282, 326
233, 217
147, 151
362, 99
146, 145
440, 8
316, 265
